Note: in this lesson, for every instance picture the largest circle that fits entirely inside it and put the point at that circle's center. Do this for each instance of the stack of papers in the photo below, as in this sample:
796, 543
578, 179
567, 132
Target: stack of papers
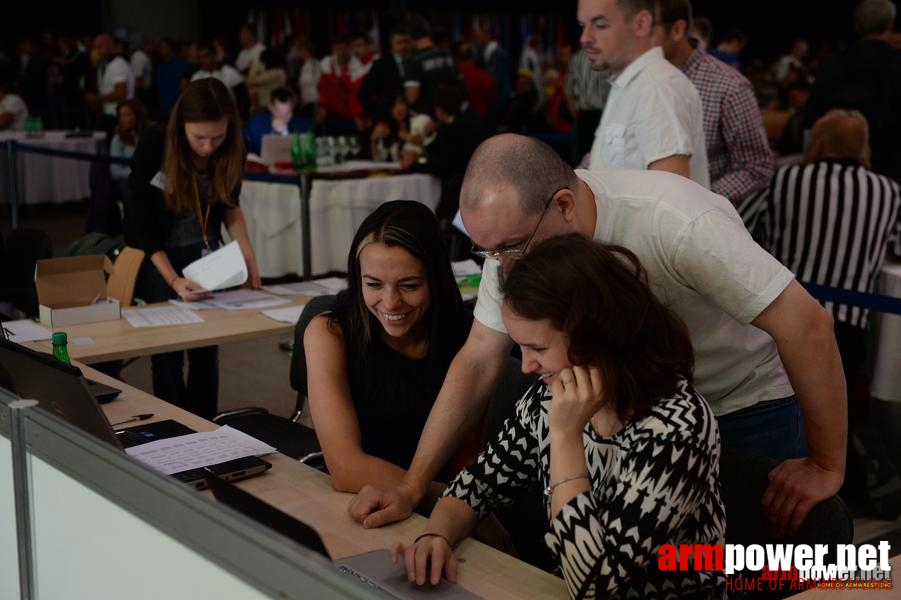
285, 315
318, 287
234, 300
159, 316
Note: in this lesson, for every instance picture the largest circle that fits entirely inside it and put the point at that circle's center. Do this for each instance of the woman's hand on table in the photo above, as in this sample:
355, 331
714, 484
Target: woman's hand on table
427, 559
190, 291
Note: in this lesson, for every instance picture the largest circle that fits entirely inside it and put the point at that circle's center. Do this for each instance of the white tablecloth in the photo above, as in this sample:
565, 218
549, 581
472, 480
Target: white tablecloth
887, 366
48, 179
337, 207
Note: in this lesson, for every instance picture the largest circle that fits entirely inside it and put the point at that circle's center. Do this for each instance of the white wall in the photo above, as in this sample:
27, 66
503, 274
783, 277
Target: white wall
9, 558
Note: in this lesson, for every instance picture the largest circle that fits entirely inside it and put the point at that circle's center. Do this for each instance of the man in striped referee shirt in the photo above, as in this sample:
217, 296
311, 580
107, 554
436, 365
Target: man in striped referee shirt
830, 221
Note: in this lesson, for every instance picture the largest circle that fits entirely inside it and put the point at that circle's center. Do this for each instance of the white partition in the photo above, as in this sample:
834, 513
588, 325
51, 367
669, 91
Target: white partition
89, 547
9, 558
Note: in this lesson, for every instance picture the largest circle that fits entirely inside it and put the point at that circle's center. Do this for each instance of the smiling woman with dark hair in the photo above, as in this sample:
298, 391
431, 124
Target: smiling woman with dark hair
377, 361
625, 449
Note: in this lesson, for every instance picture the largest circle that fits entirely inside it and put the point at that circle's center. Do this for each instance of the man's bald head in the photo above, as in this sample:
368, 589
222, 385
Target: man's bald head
527, 166
840, 134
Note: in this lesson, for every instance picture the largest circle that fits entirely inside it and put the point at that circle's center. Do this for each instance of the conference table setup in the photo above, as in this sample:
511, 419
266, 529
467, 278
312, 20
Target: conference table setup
305, 226
306, 494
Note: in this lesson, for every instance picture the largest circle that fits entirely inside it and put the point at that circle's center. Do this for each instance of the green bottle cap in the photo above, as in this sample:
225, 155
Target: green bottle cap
59, 338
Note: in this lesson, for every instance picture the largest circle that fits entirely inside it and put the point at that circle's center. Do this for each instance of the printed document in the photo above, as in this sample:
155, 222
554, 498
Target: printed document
160, 315
195, 450
285, 315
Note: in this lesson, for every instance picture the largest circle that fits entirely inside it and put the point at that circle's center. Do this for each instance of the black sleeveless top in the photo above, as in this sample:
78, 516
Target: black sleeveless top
393, 395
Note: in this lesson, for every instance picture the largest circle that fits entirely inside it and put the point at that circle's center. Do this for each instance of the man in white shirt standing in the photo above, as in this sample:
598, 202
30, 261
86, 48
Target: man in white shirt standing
142, 67
251, 49
13, 111
652, 118
115, 81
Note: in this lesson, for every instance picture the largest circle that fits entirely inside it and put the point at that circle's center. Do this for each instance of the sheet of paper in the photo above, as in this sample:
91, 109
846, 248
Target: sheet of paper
195, 450
218, 270
26, 330
285, 315
81, 341
160, 315
245, 299
308, 288
199, 305
462, 268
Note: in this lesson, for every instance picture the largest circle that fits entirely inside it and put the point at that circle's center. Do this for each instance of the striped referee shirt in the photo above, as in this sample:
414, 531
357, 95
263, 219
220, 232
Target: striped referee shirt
587, 86
830, 222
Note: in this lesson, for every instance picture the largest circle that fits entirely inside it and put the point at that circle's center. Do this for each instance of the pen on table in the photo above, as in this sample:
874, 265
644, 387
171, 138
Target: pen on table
143, 417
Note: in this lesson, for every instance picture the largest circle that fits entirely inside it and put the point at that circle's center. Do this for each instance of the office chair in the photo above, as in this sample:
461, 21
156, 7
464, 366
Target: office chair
287, 435
744, 476
121, 282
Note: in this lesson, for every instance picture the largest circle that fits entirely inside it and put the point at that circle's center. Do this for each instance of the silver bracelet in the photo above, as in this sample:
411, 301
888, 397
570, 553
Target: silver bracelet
549, 490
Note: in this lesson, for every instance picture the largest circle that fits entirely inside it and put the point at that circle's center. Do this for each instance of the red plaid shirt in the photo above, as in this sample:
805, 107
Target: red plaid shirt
740, 159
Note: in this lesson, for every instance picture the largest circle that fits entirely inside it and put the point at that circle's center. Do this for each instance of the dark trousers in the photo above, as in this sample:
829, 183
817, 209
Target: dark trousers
198, 394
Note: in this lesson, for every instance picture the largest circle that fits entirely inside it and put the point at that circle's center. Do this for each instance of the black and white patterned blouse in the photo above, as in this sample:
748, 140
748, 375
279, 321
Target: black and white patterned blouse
654, 482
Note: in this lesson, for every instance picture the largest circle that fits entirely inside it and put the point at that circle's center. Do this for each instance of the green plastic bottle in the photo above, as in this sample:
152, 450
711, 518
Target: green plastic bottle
309, 154
60, 351
297, 151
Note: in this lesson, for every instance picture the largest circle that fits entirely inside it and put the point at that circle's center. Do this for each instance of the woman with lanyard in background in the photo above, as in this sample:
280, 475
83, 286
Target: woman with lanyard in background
184, 186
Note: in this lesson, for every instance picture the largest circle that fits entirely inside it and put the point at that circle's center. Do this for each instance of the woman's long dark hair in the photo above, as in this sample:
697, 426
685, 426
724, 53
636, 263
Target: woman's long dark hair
598, 295
142, 121
413, 227
202, 100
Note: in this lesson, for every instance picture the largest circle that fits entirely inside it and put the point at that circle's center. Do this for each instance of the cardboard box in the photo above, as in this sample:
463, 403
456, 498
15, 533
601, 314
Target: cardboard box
72, 290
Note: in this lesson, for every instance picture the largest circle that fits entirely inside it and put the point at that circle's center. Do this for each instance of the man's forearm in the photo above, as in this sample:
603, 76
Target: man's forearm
461, 402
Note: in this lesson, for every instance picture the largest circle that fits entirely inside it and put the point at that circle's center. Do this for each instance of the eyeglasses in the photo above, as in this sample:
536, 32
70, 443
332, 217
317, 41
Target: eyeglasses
518, 250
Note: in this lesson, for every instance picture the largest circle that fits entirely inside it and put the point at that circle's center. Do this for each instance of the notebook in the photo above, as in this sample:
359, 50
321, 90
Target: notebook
61, 389
373, 568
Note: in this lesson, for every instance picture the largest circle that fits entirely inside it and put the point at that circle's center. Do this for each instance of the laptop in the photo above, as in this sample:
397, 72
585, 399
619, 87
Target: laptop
61, 389
277, 148
373, 568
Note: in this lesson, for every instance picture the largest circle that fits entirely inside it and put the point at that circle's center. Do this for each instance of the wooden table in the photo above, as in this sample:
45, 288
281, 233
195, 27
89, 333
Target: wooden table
306, 494
116, 340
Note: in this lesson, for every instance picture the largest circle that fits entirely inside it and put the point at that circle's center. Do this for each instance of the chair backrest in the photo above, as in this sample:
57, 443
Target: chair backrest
121, 282
314, 307
744, 476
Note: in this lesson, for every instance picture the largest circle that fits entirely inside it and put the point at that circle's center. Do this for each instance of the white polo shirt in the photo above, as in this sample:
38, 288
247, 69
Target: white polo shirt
653, 111
703, 264
115, 71
14, 105
247, 56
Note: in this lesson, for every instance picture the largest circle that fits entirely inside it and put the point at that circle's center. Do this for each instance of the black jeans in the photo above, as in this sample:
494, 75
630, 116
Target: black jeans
200, 393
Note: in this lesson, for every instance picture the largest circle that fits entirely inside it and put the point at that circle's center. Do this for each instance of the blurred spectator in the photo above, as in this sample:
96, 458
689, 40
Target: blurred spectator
496, 59
397, 136
142, 67
131, 122
308, 78
386, 76
169, 72
702, 30
272, 74
251, 49
530, 60
791, 141
75, 72
33, 78
13, 111
794, 60
587, 88
866, 77
429, 66
521, 112
341, 72
480, 90
730, 47
361, 47
115, 82
208, 67
277, 118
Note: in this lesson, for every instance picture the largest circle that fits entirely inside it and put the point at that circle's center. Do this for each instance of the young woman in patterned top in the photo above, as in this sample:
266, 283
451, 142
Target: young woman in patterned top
626, 450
